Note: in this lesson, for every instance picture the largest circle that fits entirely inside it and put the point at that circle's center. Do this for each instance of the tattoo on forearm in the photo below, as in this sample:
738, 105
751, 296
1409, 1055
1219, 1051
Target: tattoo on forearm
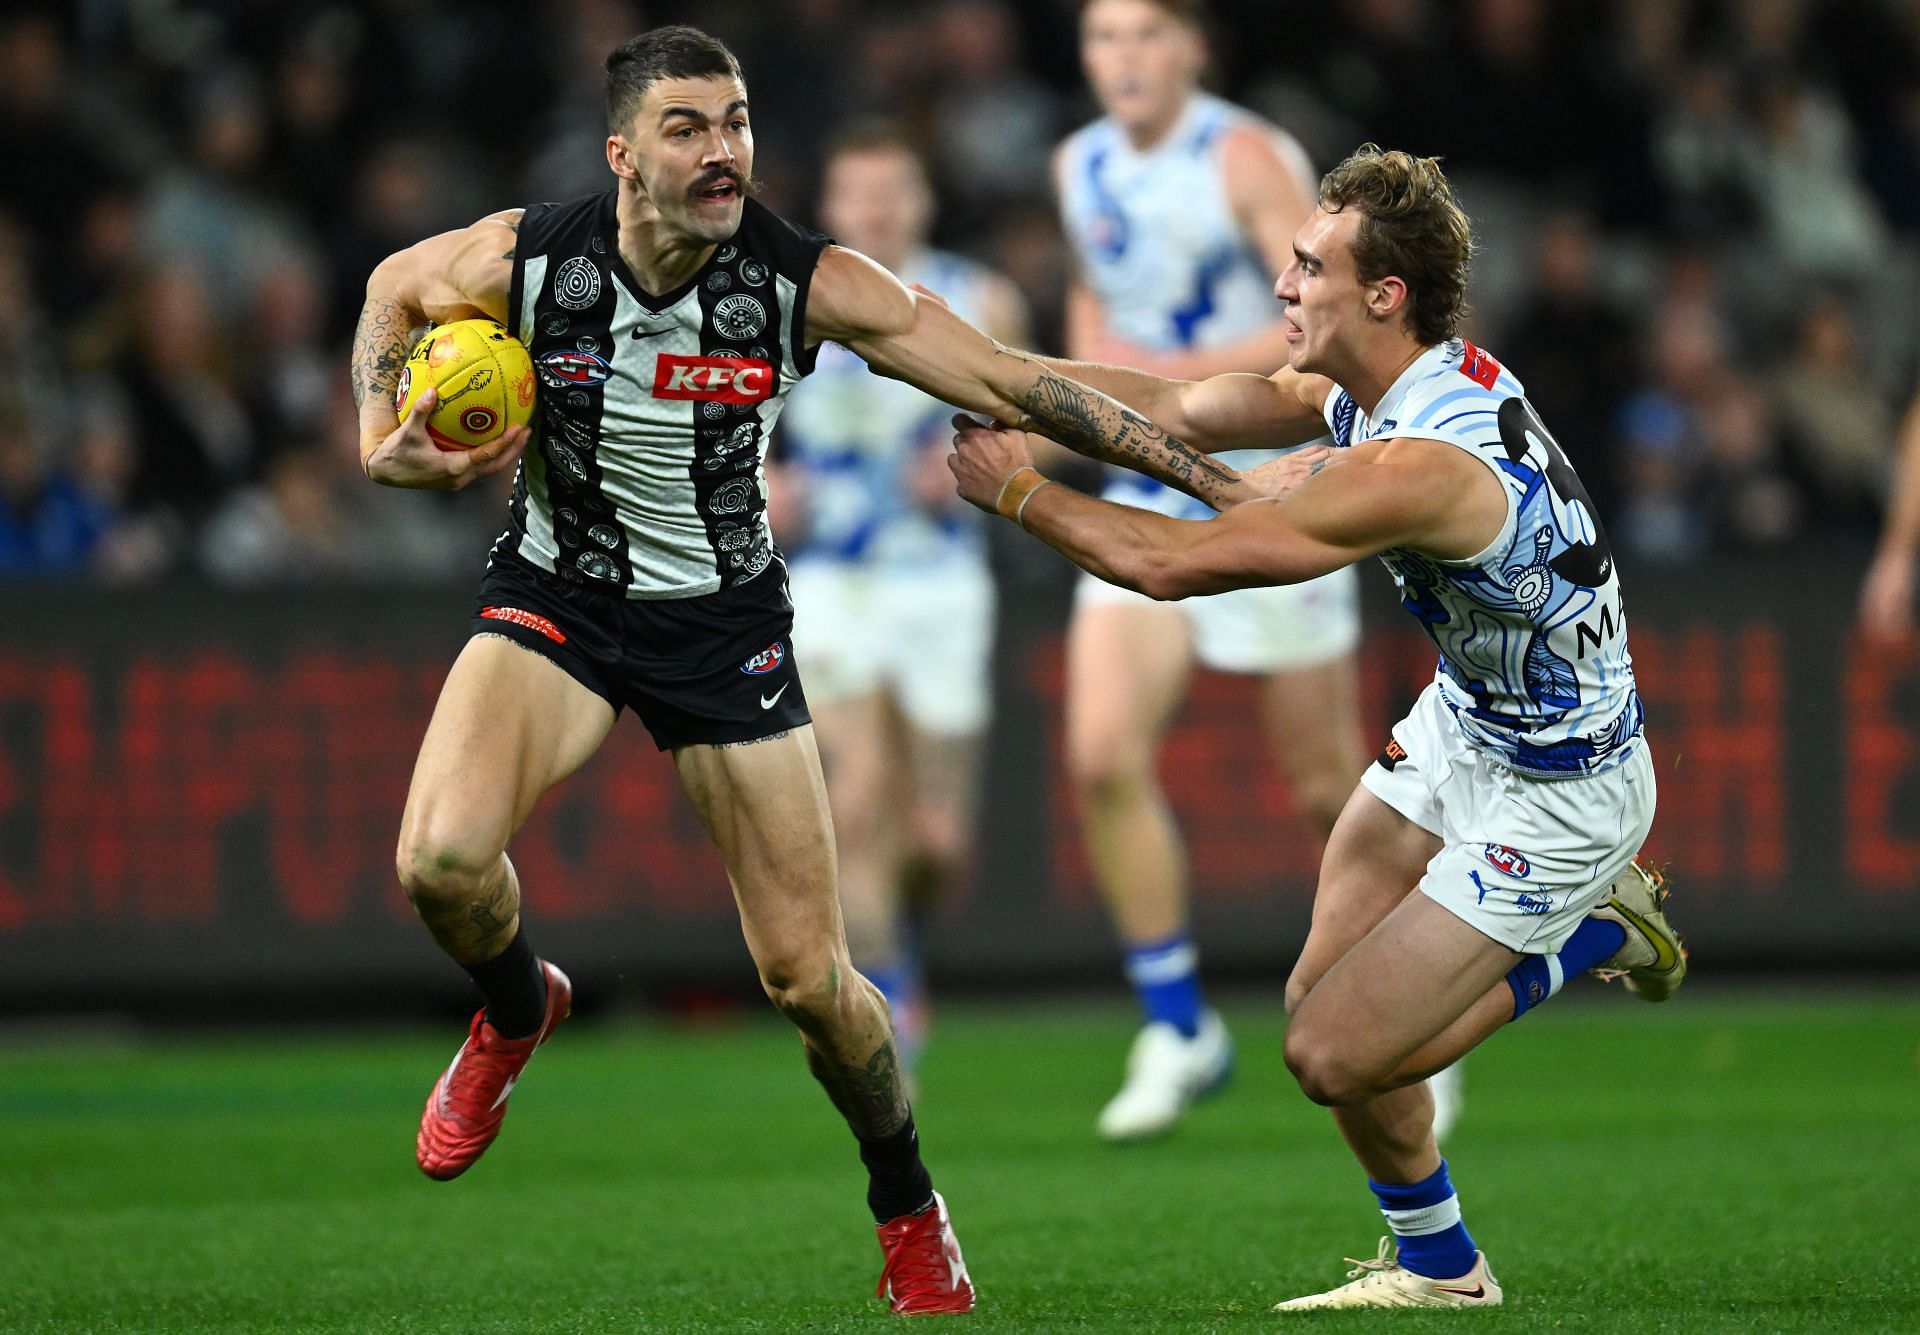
1100, 428
379, 348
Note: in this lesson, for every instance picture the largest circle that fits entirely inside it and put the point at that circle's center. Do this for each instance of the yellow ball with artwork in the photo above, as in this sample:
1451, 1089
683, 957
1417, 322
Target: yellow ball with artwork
484, 376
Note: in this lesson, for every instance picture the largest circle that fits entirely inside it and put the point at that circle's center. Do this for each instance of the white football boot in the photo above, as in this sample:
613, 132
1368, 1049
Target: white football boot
1167, 1071
1449, 1096
1652, 962
1381, 1282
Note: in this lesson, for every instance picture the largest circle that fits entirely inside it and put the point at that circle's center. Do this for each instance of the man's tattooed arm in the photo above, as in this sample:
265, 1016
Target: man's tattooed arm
379, 349
1088, 422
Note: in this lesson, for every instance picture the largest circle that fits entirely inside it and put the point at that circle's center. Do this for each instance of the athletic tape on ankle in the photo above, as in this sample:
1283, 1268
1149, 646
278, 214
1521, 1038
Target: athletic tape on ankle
1016, 491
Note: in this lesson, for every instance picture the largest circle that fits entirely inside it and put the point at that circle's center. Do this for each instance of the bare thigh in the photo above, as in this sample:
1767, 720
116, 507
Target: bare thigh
765, 806
1313, 716
1375, 857
509, 725
1127, 671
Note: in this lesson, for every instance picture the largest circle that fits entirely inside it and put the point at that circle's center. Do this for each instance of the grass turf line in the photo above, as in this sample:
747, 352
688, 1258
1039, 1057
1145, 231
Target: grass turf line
1712, 1165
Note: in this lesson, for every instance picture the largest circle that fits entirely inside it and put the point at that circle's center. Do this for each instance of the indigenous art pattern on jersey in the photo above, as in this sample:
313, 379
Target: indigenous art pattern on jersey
644, 477
1532, 632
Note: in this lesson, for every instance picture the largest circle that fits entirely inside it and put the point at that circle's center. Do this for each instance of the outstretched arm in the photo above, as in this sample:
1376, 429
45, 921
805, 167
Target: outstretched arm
1396, 493
454, 276
916, 338
1886, 601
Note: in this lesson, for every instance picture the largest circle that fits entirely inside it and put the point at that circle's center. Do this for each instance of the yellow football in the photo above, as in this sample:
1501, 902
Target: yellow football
484, 376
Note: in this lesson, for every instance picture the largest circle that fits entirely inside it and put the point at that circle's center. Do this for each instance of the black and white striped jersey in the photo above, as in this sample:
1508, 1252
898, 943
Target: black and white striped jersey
644, 473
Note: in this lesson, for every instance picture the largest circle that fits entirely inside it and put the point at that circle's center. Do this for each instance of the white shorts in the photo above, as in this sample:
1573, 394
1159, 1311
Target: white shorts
1259, 630
923, 635
1525, 859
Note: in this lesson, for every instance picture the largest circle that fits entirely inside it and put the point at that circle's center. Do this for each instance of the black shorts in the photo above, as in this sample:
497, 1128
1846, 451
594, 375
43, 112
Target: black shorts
698, 671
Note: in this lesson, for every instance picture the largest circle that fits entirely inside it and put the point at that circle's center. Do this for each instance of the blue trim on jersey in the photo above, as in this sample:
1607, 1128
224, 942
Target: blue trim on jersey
1107, 206
1201, 304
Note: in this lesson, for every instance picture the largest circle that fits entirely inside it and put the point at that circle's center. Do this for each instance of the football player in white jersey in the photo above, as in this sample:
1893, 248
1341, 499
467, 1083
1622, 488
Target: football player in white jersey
668, 318
1180, 208
1488, 854
893, 603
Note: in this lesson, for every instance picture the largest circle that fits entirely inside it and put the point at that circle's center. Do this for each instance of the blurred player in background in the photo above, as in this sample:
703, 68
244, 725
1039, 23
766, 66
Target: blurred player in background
668, 317
1886, 600
1488, 854
1180, 208
893, 601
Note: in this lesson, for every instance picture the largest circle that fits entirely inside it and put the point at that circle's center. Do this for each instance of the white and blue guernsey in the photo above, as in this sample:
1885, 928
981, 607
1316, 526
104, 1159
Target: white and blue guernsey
1158, 245
1531, 631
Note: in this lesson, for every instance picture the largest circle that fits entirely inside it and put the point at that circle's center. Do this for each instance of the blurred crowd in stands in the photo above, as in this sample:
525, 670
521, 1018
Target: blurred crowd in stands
1698, 225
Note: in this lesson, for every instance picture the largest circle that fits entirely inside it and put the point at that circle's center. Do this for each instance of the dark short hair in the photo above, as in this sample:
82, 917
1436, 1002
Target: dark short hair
1411, 228
1193, 13
877, 135
676, 52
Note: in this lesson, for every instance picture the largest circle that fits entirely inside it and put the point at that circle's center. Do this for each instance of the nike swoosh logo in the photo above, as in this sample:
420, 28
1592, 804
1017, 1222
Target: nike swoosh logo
504, 1092
769, 701
1663, 956
654, 333
1477, 1291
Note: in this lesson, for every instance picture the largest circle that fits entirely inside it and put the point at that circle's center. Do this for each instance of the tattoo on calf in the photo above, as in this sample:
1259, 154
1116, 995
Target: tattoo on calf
871, 1097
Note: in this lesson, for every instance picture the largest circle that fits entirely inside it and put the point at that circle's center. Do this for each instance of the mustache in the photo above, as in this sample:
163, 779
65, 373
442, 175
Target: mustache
723, 174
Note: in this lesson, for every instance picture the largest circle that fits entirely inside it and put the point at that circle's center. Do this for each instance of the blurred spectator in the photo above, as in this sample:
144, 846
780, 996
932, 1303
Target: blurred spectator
996, 124
1574, 348
1837, 419
1754, 502
190, 430
1818, 215
50, 171
50, 524
211, 212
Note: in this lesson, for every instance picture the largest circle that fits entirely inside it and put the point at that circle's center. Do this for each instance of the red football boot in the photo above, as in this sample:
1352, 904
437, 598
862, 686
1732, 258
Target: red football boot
469, 1101
924, 1274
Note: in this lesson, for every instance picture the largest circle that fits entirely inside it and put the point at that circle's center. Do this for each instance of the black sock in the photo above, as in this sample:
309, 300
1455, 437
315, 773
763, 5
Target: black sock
897, 1182
516, 989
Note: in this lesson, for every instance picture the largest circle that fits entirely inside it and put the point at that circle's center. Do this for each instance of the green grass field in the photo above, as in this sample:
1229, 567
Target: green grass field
1724, 1163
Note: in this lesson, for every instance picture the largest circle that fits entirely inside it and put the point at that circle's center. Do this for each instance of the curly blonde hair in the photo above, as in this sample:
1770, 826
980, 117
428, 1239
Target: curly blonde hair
1411, 227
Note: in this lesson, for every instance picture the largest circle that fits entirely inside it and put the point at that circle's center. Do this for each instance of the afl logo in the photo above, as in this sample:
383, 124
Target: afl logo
739, 316
568, 366
767, 660
577, 285
1509, 860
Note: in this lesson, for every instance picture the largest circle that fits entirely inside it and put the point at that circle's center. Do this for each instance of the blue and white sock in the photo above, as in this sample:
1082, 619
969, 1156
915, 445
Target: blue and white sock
1166, 977
1425, 1219
1538, 977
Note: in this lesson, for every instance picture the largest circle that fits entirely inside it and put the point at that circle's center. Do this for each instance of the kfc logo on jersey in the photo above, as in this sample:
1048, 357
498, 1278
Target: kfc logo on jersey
1509, 860
767, 660
736, 380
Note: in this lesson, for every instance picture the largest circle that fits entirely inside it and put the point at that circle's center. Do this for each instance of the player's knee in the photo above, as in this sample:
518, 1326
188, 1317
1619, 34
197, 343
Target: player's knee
1105, 773
1324, 1073
441, 873
805, 986
1320, 797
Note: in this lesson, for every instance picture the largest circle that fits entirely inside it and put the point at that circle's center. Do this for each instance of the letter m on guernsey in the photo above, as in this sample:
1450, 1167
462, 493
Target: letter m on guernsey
713, 379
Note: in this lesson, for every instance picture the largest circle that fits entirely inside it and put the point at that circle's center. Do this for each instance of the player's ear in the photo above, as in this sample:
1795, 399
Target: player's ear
620, 159
1386, 298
